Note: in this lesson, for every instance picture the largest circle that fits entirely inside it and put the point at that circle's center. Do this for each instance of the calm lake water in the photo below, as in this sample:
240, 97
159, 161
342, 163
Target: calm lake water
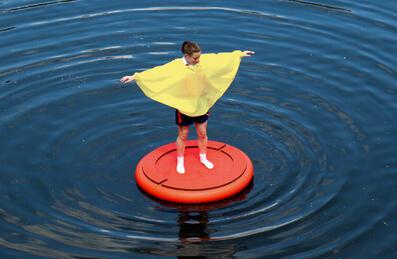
315, 109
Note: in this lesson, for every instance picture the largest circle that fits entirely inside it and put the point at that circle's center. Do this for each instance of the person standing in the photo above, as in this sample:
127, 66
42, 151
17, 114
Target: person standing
191, 88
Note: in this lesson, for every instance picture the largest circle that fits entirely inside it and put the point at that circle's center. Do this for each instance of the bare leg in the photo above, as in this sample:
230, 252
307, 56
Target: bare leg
201, 129
183, 132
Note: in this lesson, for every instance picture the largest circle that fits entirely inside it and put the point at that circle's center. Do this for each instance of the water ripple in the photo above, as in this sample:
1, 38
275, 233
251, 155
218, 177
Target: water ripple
36, 5
314, 109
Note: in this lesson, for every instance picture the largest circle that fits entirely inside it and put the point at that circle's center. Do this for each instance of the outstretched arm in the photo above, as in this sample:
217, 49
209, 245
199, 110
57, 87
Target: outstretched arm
127, 79
247, 53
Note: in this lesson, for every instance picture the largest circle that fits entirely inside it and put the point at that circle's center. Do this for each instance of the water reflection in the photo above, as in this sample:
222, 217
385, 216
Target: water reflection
193, 226
194, 235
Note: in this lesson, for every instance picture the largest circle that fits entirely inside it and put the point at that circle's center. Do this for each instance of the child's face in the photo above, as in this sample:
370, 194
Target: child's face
193, 59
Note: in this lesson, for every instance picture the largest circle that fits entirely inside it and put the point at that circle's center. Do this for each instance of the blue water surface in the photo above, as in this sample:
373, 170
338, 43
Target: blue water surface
315, 109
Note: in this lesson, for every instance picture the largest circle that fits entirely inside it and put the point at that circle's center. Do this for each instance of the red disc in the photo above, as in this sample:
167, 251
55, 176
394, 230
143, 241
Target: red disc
156, 173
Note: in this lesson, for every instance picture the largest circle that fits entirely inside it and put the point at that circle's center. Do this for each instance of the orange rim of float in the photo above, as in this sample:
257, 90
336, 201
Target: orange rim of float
156, 173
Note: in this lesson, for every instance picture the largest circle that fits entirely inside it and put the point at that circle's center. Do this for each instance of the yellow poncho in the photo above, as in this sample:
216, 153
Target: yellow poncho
193, 90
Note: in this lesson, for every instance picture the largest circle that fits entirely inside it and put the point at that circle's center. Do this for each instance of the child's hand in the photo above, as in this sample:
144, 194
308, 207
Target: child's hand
127, 79
248, 53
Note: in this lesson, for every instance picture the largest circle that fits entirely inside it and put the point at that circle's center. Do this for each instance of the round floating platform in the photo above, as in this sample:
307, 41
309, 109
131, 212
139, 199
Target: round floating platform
156, 173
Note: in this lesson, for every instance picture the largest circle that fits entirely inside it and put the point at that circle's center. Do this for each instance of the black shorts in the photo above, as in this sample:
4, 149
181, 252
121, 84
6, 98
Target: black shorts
184, 120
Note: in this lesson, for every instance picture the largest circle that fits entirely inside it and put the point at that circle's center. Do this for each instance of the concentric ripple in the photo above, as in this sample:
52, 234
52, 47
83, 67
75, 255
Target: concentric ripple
314, 109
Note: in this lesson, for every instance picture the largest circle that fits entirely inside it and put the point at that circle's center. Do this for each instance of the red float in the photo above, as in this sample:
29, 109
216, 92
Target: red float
156, 173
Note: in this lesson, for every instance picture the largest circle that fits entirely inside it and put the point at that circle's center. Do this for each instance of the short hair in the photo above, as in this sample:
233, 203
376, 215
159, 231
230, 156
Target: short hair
189, 48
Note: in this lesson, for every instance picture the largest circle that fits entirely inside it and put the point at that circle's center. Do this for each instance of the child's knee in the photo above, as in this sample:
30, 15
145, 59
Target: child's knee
183, 135
202, 134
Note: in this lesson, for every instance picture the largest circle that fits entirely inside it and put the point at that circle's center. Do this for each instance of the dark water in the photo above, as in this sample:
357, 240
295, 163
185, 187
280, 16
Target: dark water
315, 109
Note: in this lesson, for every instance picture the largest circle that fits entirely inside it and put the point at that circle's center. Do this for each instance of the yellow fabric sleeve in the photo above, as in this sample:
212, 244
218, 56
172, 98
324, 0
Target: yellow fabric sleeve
193, 90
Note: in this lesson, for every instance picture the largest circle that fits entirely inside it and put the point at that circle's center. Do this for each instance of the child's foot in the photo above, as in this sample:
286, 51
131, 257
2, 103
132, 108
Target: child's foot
180, 168
204, 161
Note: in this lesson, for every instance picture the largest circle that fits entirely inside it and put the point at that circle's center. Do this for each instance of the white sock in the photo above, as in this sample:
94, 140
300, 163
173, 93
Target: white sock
204, 161
180, 168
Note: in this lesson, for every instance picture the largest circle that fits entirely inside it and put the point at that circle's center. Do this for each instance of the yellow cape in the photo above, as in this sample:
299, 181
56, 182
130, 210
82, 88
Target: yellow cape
193, 90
